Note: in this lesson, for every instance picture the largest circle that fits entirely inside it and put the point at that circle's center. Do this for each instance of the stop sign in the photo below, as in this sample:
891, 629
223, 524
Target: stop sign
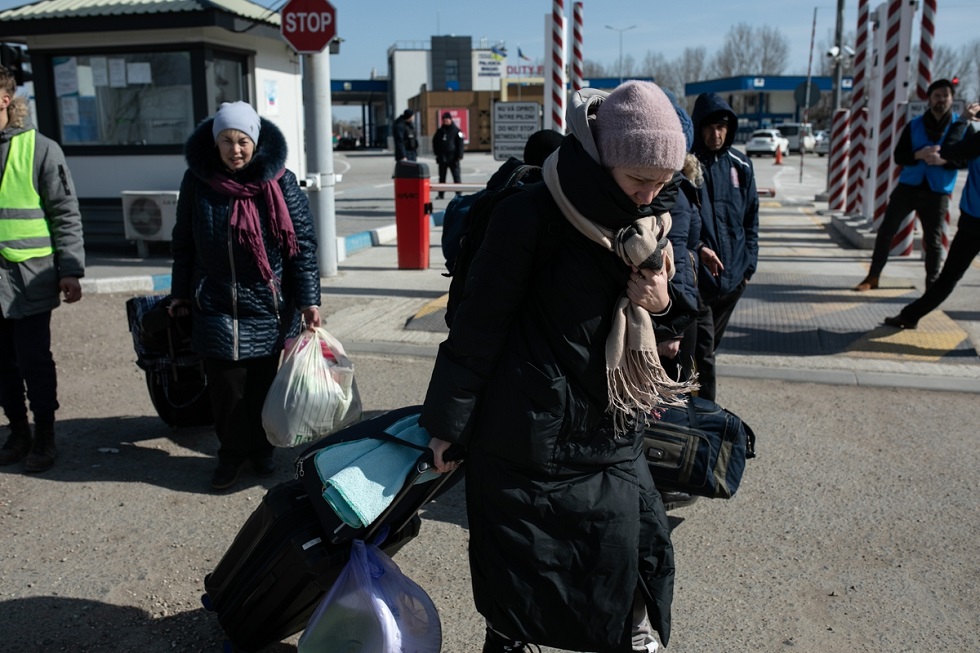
308, 25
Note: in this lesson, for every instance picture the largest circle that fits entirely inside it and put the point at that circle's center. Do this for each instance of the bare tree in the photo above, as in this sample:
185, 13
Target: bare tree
773, 51
592, 68
749, 50
692, 65
970, 71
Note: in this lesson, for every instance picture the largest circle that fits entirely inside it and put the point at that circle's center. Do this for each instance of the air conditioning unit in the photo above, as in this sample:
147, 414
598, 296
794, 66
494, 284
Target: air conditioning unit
149, 215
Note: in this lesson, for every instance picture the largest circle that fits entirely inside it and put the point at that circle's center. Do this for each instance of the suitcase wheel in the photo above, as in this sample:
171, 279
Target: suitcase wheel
206, 602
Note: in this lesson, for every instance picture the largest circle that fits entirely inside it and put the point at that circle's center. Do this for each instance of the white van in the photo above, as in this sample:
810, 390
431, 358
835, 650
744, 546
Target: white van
799, 135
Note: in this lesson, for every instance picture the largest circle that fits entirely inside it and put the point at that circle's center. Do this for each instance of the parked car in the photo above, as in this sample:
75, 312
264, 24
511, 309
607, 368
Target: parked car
800, 136
765, 141
823, 142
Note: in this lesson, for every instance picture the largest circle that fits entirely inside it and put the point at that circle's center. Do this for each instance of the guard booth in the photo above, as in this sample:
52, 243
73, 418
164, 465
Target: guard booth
121, 86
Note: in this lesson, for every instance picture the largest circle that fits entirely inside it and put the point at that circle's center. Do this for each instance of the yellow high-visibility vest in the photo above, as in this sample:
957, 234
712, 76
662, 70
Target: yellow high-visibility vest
24, 231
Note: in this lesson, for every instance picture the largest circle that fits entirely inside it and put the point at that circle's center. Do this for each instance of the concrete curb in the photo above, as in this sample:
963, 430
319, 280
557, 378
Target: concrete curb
158, 283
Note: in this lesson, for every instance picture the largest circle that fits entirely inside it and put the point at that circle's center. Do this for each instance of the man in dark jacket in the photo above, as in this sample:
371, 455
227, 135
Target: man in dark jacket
729, 249
447, 145
406, 142
41, 257
924, 186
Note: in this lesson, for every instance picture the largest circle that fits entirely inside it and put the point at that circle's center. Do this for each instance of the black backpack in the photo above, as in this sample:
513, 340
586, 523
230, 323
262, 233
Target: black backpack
473, 225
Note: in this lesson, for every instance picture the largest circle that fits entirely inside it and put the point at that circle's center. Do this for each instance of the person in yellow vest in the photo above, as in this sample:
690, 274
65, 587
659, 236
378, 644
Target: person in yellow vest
41, 259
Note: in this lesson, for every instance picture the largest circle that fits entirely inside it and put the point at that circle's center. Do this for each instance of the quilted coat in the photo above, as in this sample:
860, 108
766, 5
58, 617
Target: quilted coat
565, 522
236, 314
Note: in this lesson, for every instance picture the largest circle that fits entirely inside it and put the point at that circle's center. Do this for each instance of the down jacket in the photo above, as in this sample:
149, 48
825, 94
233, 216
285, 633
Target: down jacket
729, 202
565, 522
237, 315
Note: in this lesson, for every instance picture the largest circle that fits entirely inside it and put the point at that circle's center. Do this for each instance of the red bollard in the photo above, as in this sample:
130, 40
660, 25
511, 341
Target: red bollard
412, 209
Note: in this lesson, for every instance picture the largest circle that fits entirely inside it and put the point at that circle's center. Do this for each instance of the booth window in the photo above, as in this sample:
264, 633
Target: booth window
124, 99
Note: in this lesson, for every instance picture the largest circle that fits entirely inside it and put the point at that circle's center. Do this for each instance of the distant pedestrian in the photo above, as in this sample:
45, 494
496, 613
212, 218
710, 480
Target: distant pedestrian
245, 264
41, 257
966, 244
924, 185
406, 142
447, 145
729, 249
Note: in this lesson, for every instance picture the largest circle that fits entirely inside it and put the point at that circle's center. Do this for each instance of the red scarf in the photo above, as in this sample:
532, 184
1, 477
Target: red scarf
245, 217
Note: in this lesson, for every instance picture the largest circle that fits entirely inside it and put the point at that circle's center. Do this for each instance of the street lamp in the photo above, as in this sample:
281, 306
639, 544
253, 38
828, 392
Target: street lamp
620, 30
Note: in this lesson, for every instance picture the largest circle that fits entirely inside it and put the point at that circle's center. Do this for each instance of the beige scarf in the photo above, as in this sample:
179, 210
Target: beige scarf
636, 381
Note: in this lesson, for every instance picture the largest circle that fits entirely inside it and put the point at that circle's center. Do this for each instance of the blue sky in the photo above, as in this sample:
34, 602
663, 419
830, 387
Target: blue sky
370, 27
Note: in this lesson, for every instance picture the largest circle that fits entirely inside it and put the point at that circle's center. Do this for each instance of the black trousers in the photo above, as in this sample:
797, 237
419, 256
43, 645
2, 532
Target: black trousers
238, 390
932, 208
713, 317
26, 360
451, 166
962, 251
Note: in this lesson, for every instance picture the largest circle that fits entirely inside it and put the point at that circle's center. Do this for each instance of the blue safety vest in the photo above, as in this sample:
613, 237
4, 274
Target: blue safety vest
940, 179
970, 201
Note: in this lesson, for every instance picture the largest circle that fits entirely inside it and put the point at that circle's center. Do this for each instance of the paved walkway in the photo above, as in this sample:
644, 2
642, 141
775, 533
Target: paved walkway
799, 319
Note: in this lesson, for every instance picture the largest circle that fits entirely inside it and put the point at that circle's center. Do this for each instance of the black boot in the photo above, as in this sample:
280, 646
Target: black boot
18, 443
43, 453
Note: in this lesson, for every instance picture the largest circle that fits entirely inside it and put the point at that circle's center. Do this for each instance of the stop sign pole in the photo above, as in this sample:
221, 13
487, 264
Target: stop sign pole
309, 26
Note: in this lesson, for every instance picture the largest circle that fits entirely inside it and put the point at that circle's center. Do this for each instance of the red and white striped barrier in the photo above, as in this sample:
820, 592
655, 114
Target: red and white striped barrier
885, 125
839, 146
926, 52
859, 113
904, 240
554, 98
578, 63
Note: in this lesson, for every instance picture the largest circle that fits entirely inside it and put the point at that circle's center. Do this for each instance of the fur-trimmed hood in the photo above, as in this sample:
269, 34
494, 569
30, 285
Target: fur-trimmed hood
269, 158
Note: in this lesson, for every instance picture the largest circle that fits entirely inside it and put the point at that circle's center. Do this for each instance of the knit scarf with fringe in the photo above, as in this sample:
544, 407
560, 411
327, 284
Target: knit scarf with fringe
245, 217
636, 381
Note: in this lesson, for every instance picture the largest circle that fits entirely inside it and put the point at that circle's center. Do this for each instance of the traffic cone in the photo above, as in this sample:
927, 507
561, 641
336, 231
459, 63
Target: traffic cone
779, 156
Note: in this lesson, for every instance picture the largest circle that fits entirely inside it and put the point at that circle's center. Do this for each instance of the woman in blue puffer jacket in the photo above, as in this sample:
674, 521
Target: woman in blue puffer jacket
244, 253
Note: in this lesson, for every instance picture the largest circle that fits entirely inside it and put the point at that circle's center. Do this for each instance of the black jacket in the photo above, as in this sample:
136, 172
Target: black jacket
405, 138
729, 202
236, 315
556, 503
447, 144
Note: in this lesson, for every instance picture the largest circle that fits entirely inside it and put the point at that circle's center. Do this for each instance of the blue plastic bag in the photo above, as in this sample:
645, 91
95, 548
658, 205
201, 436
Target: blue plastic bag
373, 608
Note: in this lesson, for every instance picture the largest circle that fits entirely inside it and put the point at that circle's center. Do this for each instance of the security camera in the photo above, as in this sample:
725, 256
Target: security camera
849, 51
833, 52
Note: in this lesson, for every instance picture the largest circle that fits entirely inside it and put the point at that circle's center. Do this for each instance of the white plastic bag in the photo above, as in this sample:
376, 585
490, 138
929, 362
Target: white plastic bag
373, 608
312, 391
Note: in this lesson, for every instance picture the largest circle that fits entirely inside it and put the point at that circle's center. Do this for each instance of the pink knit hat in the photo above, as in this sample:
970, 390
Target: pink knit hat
636, 126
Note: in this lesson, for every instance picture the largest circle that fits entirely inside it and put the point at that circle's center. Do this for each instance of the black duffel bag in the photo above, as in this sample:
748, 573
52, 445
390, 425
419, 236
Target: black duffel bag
699, 448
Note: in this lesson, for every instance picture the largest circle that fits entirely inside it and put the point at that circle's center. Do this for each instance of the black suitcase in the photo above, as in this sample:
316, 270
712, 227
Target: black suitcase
175, 377
405, 504
279, 567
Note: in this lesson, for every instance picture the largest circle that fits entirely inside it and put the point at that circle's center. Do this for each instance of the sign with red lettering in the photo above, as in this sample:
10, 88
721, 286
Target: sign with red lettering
308, 25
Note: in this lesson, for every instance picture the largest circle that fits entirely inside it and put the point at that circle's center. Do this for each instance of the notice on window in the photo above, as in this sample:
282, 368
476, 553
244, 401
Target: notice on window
65, 76
271, 97
117, 73
100, 71
69, 112
139, 73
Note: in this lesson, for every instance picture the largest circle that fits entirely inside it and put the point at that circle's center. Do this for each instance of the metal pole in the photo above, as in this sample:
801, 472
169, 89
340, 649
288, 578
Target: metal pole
620, 30
839, 43
319, 158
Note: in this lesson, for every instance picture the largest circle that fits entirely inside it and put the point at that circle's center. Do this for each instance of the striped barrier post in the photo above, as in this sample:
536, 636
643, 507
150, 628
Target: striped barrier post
904, 241
554, 98
578, 62
882, 177
859, 114
839, 146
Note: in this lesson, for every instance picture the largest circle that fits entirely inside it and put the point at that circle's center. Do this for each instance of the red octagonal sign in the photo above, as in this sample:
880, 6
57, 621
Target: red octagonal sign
308, 25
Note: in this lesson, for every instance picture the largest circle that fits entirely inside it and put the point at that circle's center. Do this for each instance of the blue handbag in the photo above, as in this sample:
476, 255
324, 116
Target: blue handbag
699, 448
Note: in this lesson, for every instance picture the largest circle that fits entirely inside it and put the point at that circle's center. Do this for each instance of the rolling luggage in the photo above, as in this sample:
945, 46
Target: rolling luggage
175, 377
405, 504
279, 567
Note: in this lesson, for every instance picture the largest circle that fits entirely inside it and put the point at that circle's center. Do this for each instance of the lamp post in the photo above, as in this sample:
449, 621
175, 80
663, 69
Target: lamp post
620, 30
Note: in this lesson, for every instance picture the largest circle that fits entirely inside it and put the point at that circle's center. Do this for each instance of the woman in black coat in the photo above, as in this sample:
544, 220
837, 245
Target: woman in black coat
244, 253
546, 377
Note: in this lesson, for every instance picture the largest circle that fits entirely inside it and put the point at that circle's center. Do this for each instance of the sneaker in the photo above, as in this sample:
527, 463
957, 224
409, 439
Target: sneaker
225, 475
673, 500
869, 283
497, 643
264, 467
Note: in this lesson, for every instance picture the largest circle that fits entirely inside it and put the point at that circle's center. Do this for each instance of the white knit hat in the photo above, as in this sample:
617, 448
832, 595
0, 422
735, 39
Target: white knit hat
636, 126
237, 115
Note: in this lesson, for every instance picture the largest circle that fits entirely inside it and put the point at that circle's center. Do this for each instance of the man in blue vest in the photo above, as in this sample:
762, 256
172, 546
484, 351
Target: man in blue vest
924, 186
966, 243
41, 259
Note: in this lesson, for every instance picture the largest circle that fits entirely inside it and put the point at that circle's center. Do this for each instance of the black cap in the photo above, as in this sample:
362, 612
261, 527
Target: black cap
447, 115
407, 113
540, 145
